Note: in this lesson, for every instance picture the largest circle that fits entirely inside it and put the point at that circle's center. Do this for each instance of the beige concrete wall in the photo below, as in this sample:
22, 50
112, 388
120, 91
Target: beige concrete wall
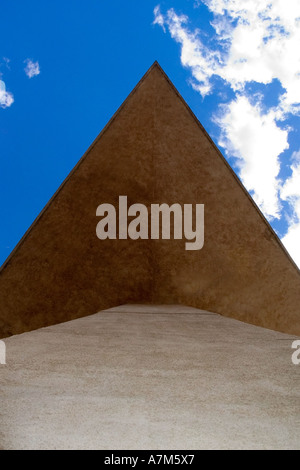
150, 377
154, 150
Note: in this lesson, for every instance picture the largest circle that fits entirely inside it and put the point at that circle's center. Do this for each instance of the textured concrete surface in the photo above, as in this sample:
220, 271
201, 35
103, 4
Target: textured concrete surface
150, 377
153, 151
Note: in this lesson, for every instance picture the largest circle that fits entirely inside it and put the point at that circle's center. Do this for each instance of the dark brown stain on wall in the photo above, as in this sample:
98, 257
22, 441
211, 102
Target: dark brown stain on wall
153, 151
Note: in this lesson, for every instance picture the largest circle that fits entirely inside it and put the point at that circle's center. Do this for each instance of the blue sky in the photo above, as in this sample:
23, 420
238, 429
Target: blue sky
66, 66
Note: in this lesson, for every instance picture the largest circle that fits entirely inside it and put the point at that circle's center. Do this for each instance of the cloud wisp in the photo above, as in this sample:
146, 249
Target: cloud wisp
290, 192
32, 69
257, 41
6, 98
254, 139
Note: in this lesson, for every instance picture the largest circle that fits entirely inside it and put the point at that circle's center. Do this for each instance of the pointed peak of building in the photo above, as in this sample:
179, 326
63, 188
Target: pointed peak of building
156, 67
152, 151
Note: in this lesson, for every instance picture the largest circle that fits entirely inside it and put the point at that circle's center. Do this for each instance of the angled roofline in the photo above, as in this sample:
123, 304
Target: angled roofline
80, 161
230, 169
105, 128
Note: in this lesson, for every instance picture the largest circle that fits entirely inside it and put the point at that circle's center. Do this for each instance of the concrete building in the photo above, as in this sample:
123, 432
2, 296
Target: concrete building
160, 374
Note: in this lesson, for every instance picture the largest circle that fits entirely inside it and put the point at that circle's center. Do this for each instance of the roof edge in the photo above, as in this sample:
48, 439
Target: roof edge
80, 161
105, 128
272, 231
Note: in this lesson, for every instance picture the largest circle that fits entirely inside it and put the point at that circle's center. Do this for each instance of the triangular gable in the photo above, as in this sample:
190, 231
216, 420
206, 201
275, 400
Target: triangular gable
153, 150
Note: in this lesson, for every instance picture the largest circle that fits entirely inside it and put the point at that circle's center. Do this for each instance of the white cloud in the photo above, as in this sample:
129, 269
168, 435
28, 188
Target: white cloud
32, 69
202, 61
158, 17
6, 62
254, 41
263, 45
291, 192
256, 141
258, 41
6, 98
291, 242
291, 188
